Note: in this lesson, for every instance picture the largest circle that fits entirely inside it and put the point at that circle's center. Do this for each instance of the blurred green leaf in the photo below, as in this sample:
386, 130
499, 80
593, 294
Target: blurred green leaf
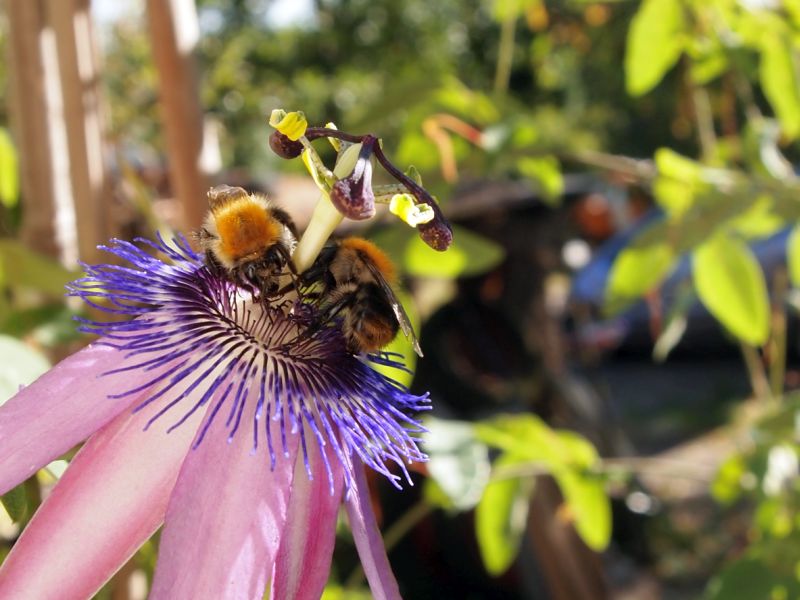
655, 42
760, 149
19, 365
501, 517
589, 506
521, 435
727, 485
476, 106
434, 495
457, 461
758, 220
708, 67
674, 196
679, 179
671, 164
778, 75
47, 325
469, 255
511, 9
414, 148
751, 578
675, 323
9, 171
584, 491
546, 171
793, 256
576, 450
25, 268
730, 283
15, 501
637, 270
529, 437
335, 591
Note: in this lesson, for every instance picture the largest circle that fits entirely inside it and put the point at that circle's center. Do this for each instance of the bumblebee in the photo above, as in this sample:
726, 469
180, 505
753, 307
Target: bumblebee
247, 239
352, 280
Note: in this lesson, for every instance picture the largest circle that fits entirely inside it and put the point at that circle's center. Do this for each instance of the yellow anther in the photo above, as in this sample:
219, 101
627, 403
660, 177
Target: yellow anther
404, 207
293, 125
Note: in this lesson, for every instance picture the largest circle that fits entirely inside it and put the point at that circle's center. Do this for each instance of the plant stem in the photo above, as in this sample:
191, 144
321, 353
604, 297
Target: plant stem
505, 56
325, 217
755, 368
705, 123
777, 362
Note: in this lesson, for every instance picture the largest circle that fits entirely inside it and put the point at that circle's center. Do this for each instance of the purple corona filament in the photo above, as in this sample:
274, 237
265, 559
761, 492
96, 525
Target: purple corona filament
206, 344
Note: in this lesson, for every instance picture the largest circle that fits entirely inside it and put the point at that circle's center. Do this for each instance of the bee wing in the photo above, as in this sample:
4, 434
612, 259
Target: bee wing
222, 194
397, 307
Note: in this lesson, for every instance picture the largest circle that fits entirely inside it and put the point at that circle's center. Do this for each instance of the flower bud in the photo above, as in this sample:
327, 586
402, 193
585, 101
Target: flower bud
283, 146
437, 234
352, 195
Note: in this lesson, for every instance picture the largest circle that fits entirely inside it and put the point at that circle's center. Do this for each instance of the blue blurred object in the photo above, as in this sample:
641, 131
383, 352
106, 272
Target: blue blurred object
631, 327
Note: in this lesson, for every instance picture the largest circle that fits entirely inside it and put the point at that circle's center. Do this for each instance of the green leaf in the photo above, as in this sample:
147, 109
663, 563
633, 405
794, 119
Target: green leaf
637, 270
793, 256
457, 461
708, 67
655, 42
25, 268
674, 196
15, 501
757, 221
584, 492
750, 578
727, 485
778, 76
470, 254
528, 437
19, 365
546, 171
334, 591
731, 285
415, 148
674, 165
500, 518
503, 10
527, 441
455, 96
9, 171
588, 506
521, 435
675, 323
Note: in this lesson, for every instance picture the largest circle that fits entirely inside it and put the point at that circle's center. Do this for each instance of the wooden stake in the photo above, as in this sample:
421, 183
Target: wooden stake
174, 32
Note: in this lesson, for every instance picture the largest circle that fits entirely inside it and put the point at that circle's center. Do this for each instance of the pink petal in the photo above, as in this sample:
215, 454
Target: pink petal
111, 499
58, 410
225, 517
304, 559
367, 537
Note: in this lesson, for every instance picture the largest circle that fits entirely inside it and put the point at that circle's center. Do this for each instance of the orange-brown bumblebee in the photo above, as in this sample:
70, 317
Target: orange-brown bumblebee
354, 281
247, 239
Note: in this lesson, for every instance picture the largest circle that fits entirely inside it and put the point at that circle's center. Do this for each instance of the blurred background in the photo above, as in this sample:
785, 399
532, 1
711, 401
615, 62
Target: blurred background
611, 345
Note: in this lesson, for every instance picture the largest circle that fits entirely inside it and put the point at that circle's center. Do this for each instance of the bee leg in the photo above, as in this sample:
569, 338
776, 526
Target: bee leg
322, 318
292, 272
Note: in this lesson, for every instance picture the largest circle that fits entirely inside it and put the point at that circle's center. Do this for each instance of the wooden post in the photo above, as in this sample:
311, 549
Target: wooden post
29, 120
57, 125
174, 31
84, 121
